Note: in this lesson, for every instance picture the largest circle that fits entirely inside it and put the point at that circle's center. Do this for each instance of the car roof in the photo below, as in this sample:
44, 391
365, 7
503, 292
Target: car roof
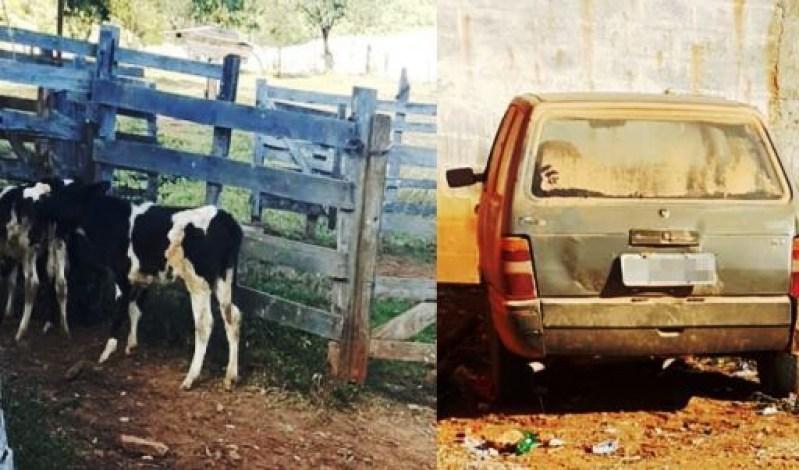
634, 98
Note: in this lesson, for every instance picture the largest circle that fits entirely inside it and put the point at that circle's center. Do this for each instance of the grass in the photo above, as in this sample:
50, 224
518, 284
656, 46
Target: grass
33, 433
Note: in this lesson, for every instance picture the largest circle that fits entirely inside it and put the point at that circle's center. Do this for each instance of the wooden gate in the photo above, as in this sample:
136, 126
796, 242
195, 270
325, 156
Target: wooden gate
76, 118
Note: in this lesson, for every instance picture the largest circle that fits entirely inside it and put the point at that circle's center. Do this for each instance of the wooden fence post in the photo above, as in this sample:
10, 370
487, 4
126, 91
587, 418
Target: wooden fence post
151, 193
221, 145
367, 170
332, 212
105, 116
394, 167
258, 151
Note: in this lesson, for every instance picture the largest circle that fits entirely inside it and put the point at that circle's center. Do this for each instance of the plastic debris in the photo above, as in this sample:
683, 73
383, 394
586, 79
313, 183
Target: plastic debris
555, 442
770, 410
606, 447
537, 366
479, 447
527, 443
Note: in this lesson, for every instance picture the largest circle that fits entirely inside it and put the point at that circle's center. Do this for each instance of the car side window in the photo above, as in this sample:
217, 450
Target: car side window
495, 157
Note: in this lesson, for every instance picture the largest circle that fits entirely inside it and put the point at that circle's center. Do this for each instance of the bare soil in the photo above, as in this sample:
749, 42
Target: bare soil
697, 413
251, 427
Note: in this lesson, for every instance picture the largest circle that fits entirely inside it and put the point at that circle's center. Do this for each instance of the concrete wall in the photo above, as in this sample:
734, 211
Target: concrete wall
488, 51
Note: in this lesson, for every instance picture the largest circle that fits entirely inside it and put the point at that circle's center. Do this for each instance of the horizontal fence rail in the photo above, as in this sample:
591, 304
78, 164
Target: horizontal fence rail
123, 55
147, 157
328, 132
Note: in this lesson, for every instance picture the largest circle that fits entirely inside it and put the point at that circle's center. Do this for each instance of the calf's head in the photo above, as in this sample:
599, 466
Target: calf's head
69, 206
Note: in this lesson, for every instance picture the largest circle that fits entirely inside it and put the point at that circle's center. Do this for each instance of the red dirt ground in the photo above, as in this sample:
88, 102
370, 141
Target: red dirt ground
698, 414
207, 427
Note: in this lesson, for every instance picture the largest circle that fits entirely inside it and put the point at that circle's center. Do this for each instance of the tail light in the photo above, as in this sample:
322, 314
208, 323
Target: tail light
795, 269
517, 268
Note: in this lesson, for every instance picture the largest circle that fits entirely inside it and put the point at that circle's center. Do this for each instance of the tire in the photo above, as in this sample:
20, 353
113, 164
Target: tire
778, 373
511, 373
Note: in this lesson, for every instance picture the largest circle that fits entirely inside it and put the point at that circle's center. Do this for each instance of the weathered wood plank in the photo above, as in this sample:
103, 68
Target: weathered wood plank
298, 255
411, 208
395, 165
287, 184
403, 351
46, 76
302, 317
420, 127
130, 56
16, 169
221, 142
330, 132
55, 126
332, 100
285, 106
127, 71
353, 298
47, 41
407, 324
172, 64
413, 155
20, 104
411, 183
423, 227
415, 288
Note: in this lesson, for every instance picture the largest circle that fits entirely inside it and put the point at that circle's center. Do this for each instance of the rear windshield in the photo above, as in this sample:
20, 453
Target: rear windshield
651, 158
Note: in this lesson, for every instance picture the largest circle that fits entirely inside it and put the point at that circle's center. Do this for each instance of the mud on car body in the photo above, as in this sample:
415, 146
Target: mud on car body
635, 226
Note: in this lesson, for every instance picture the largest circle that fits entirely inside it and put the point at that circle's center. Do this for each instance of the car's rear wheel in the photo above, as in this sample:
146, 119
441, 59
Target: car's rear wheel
511, 374
778, 373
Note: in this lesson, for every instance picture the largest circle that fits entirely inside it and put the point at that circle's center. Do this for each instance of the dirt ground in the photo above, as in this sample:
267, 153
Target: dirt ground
697, 413
250, 427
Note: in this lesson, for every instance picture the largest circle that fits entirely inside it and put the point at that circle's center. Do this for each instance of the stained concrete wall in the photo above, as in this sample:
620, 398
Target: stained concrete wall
489, 51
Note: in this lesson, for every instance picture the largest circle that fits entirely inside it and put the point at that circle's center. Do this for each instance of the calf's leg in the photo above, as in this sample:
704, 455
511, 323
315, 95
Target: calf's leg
232, 318
11, 289
59, 255
134, 312
120, 313
203, 324
31, 287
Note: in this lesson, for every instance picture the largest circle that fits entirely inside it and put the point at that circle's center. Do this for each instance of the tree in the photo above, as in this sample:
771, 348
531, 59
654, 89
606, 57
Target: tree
323, 15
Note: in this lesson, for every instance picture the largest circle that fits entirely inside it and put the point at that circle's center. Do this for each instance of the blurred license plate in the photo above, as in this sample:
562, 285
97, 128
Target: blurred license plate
668, 269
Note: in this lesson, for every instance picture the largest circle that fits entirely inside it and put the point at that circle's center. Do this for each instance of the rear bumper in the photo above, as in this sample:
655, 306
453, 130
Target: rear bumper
629, 326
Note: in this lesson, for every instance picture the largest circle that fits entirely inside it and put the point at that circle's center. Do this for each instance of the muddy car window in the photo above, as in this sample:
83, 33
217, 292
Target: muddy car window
653, 158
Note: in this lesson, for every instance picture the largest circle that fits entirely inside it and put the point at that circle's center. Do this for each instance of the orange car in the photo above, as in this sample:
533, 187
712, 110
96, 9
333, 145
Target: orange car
638, 226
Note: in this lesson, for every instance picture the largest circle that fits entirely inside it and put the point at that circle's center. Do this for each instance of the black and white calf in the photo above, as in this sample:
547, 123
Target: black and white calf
27, 236
145, 244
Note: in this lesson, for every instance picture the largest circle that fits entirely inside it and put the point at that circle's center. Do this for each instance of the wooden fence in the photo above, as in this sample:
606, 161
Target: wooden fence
76, 117
416, 218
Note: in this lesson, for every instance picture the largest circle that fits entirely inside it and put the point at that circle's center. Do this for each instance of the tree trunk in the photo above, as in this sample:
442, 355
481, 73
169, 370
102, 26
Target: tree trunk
328, 56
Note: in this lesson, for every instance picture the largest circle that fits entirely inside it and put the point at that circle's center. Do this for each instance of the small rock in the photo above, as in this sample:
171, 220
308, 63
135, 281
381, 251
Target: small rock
73, 372
124, 419
219, 408
144, 446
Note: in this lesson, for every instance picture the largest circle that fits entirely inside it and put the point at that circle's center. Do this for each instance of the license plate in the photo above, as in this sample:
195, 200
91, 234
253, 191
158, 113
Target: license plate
668, 269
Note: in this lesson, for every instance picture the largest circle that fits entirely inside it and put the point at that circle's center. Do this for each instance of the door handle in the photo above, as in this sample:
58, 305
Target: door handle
529, 220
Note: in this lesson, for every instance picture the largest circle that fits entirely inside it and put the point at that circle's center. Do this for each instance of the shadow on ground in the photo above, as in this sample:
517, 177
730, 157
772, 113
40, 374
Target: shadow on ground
565, 386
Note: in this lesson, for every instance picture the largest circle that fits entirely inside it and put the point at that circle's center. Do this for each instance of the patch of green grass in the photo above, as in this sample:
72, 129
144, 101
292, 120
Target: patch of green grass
32, 437
399, 244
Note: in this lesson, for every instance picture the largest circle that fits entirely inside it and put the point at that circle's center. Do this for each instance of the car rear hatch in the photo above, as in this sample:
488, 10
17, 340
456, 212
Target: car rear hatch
625, 206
